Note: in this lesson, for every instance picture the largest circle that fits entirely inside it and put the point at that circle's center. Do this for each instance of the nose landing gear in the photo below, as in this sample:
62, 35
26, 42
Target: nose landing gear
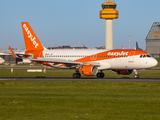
136, 74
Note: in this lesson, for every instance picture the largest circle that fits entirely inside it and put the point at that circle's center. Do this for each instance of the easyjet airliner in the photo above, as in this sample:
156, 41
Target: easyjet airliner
88, 62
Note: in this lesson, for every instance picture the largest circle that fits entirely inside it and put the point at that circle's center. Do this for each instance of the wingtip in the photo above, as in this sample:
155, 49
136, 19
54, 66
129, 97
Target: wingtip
12, 51
137, 47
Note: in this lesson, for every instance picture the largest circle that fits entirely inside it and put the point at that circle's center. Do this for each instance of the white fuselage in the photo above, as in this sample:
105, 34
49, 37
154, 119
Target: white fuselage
106, 61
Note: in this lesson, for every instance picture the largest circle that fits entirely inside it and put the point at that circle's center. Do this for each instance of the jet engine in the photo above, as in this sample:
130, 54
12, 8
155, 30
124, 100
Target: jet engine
88, 70
124, 72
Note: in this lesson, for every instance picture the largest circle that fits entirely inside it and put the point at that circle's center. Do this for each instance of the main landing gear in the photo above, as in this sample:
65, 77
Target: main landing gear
76, 75
136, 74
100, 75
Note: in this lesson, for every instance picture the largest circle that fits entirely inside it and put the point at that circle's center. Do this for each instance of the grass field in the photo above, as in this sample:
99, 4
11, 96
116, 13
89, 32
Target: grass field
79, 100
158, 59
68, 73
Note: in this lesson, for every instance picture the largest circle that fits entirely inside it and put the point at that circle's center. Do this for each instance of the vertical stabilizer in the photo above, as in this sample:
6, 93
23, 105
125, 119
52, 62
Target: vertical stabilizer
30, 38
137, 47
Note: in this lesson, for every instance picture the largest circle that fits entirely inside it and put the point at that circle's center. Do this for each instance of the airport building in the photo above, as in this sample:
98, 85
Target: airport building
153, 40
67, 47
7, 57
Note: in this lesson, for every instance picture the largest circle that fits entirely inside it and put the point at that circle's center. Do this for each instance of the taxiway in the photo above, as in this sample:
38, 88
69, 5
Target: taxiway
82, 79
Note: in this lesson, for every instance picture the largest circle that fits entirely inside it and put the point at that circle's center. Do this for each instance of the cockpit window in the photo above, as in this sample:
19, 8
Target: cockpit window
144, 56
149, 56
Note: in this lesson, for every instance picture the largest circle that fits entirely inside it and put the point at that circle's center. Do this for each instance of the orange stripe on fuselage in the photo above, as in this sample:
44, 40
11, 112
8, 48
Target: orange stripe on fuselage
110, 54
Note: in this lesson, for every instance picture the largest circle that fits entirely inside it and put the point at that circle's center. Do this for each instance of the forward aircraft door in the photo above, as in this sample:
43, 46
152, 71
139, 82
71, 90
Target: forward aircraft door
131, 57
93, 57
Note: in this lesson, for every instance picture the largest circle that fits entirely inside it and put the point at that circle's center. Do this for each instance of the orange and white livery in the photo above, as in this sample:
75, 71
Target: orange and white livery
88, 62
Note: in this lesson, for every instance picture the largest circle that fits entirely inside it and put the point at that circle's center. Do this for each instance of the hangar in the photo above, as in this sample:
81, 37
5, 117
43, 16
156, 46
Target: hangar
153, 40
7, 57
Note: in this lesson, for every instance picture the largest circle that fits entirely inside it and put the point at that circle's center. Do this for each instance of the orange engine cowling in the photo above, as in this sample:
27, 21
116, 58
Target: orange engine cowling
88, 70
124, 72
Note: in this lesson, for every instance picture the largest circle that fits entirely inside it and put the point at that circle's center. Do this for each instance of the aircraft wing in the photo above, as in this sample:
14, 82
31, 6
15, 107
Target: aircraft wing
63, 61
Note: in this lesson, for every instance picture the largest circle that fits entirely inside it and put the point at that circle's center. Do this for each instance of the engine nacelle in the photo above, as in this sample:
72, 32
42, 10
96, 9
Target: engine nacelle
124, 72
88, 70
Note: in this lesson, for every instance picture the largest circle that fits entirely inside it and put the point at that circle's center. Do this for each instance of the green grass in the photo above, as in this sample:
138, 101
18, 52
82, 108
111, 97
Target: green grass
79, 100
69, 72
158, 59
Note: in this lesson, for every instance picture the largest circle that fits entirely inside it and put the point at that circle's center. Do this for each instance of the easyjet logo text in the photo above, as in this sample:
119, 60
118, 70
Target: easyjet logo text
118, 53
30, 36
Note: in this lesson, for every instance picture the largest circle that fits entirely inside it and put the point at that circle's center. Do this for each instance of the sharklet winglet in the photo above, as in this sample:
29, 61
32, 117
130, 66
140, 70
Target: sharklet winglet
14, 55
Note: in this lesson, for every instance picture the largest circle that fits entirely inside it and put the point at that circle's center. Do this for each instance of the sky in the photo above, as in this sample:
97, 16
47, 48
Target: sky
76, 22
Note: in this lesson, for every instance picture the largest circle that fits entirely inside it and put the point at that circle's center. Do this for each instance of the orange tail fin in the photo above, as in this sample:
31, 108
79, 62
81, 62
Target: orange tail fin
31, 40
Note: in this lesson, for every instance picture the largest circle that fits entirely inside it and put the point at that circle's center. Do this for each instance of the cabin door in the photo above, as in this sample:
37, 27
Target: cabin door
131, 57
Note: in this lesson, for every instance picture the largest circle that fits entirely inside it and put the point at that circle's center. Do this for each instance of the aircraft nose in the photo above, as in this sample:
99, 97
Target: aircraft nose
154, 62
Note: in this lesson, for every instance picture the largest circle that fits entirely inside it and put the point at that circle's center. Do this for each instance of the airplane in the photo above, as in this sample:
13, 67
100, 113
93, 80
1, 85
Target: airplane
88, 62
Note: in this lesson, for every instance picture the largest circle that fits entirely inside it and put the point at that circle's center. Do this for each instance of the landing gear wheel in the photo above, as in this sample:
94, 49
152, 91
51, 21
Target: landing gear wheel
136, 76
100, 75
76, 75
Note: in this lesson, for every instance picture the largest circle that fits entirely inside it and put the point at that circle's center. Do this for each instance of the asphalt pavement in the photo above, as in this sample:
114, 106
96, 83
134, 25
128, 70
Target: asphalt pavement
81, 79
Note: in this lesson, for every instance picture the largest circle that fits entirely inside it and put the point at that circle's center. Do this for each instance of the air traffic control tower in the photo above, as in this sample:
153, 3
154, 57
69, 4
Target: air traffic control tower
109, 13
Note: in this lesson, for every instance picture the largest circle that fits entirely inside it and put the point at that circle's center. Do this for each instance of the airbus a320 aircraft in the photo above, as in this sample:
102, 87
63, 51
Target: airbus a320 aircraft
88, 62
